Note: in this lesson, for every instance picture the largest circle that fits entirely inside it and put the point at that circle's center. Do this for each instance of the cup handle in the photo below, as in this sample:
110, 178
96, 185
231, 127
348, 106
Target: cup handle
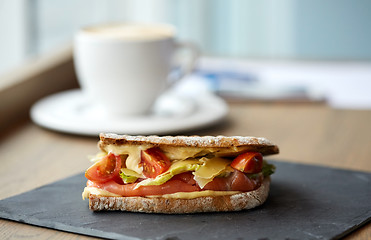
187, 67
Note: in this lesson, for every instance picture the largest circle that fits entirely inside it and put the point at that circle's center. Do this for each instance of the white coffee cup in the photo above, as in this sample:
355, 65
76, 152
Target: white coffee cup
124, 68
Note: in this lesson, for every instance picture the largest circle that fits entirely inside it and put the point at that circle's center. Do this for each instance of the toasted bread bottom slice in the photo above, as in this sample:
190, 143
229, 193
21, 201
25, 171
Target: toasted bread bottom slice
236, 202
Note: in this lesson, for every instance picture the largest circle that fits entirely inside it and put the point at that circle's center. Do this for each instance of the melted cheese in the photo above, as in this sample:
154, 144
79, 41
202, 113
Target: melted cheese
172, 152
190, 195
180, 153
179, 195
133, 152
97, 191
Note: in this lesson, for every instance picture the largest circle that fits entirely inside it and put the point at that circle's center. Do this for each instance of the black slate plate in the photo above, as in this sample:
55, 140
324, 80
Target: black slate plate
305, 202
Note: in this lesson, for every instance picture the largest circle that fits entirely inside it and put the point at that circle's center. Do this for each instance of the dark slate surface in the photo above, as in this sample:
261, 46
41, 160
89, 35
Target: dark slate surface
306, 202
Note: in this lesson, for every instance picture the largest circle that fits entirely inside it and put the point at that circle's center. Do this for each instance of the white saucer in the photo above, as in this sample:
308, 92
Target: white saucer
70, 112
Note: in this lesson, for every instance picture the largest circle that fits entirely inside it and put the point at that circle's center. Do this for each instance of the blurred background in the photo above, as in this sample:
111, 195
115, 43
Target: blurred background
317, 30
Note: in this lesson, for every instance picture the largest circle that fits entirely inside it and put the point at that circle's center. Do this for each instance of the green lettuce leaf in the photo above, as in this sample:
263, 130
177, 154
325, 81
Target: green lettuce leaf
268, 169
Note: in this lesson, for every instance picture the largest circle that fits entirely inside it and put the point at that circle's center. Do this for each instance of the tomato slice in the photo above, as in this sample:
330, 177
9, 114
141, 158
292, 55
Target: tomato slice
240, 182
104, 170
129, 190
154, 162
236, 181
249, 162
186, 177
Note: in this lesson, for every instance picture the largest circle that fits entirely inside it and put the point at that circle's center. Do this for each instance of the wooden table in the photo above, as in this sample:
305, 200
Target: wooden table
307, 133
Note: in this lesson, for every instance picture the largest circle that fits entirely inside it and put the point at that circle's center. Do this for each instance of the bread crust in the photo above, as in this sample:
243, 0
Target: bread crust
236, 202
257, 144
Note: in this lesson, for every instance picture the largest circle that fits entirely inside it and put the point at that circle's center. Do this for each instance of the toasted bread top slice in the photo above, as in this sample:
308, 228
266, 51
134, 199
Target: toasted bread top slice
250, 143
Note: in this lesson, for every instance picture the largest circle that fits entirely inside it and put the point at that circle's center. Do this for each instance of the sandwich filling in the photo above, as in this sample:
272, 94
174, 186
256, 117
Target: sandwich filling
174, 172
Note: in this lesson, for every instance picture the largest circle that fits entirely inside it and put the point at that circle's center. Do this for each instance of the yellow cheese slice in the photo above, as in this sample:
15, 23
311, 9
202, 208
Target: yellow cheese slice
210, 169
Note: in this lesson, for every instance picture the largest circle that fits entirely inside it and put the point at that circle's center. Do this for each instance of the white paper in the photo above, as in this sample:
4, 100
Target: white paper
345, 85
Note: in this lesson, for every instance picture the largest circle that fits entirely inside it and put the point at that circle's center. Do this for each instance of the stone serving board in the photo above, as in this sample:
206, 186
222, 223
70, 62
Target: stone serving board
305, 202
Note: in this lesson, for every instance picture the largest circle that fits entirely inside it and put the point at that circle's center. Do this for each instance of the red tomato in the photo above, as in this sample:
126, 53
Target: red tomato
105, 170
236, 181
240, 182
186, 177
128, 190
249, 162
154, 162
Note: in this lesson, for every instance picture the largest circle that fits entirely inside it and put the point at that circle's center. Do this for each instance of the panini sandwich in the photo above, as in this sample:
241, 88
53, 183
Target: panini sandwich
179, 174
